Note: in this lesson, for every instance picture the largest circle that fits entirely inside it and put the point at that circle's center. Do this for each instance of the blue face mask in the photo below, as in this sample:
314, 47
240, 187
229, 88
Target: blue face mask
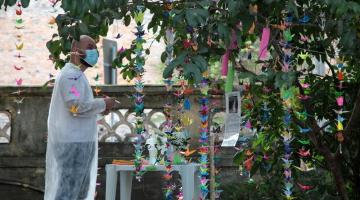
92, 56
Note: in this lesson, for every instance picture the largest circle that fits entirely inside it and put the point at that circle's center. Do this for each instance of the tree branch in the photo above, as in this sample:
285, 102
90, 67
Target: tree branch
355, 115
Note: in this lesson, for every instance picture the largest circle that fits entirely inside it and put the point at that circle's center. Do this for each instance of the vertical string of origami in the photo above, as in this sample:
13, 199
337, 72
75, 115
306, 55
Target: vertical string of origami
138, 95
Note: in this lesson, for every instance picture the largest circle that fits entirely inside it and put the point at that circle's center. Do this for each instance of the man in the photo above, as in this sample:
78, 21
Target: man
71, 156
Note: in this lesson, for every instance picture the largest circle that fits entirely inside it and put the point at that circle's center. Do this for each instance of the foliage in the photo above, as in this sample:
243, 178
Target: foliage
267, 188
6, 3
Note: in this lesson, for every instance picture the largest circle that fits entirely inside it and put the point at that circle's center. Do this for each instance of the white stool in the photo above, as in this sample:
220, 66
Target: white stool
189, 178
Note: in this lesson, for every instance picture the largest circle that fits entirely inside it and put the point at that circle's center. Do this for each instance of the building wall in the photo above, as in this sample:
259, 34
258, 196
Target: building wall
22, 160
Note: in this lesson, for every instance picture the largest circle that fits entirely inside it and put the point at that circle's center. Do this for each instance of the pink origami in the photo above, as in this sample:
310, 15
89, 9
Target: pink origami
74, 91
265, 37
225, 63
340, 101
19, 81
248, 124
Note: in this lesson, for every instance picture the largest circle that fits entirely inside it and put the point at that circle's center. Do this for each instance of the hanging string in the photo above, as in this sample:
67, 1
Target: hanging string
19, 44
139, 95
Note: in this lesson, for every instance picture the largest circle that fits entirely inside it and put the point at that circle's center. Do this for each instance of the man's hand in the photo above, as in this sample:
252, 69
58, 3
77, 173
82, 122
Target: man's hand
109, 102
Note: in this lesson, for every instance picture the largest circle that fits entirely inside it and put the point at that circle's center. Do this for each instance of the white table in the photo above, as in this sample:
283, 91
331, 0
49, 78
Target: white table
189, 177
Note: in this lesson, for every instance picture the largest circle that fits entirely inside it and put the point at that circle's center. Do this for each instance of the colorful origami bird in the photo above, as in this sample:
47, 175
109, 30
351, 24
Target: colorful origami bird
97, 90
340, 75
248, 125
19, 100
339, 126
203, 150
188, 91
305, 187
304, 38
340, 118
304, 153
341, 111
19, 81
186, 120
139, 17
18, 68
248, 163
288, 36
188, 152
178, 93
287, 136
187, 104
303, 55
305, 85
287, 173
167, 176
139, 107
52, 21
19, 21
304, 97
19, 46
204, 118
305, 19
304, 142
287, 163
74, 91
74, 109
304, 167
280, 26
304, 130
18, 11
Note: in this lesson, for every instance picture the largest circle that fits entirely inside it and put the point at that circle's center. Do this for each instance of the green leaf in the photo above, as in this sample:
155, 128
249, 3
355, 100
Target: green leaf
163, 57
173, 64
190, 18
83, 28
292, 8
1, 3
200, 62
239, 158
233, 7
127, 20
25, 3
147, 51
10, 2
191, 71
224, 33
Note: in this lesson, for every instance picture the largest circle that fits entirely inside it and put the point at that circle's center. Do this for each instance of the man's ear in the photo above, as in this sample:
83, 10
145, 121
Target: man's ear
82, 53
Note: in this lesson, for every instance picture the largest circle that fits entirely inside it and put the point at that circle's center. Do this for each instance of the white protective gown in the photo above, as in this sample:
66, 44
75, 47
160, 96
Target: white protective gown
71, 156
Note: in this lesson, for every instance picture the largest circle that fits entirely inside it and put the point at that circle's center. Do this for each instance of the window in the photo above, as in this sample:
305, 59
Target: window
5, 127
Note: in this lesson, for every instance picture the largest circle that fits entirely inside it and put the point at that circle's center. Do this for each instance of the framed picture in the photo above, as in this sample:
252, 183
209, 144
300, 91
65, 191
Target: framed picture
233, 103
232, 119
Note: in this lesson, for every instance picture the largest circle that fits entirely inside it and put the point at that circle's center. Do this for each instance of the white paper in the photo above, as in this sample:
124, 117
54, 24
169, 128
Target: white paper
232, 119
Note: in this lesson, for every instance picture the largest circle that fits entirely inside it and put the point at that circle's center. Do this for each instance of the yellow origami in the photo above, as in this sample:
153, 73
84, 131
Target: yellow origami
340, 126
186, 120
20, 46
74, 109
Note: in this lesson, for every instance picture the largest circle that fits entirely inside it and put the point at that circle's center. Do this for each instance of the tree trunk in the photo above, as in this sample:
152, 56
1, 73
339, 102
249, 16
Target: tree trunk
333, 162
